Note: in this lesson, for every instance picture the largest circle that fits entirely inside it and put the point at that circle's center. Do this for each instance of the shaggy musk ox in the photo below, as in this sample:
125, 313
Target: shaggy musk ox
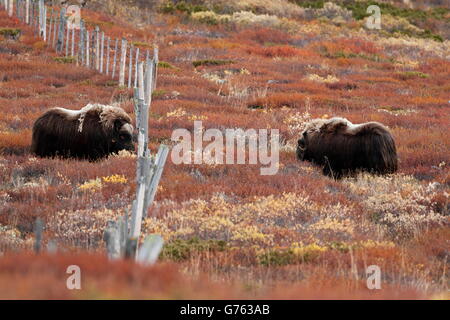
343, 148
91, 133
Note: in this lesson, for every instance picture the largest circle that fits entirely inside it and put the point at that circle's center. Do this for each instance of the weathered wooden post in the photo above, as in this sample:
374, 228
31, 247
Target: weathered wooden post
155, 62
87, 49
130, 66
93, 56
149, 169
102, 45
67, 37
62, 24
45, 23
38, 229
27, 12
50, 27
11, 8
136, 60
42, 19
31, 14
18, 9
108, 51
115, 59
72, 49
81, 49
123, 57
97, 48
55, 27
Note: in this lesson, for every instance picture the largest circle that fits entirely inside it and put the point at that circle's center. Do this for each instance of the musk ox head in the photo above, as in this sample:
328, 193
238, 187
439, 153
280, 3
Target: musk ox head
91, 133
343, 148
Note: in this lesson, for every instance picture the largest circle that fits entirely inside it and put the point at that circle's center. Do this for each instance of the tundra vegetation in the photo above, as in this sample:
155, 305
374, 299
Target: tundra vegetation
231, 232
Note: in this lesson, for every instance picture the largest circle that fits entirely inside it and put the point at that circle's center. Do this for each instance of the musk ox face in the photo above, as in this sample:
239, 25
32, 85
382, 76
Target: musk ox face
301, 147
91, 133
343, 148
122, 137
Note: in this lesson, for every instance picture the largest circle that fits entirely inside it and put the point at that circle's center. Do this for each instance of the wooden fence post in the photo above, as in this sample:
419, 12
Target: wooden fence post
108, 52
123, 57
10, 8
102, 51
155, 69
72, 49
87, 49
50, 27
115, 59
97, 48
31, 14
62, 24
27, 12
67, 36
42, 20
130, 66
55, 25
81, 50
38, 229
136, 60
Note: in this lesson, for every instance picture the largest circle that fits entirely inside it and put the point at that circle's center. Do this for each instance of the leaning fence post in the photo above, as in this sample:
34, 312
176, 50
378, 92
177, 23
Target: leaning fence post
122, 63
152, 187
150, 249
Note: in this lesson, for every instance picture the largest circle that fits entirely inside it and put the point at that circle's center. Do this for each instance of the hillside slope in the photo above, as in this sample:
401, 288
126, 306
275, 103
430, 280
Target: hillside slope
296, 234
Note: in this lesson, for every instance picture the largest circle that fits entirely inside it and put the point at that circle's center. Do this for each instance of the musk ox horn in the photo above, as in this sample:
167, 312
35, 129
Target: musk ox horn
343, 148
91, 133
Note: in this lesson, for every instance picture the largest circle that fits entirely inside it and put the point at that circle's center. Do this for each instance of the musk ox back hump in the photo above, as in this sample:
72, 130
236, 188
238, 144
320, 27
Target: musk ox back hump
344, 148
90, 133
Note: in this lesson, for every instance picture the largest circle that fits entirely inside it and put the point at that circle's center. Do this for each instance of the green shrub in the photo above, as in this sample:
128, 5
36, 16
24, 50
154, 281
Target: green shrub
158, 93
407, 75
169, 7
65, 59
179, 250
11, 33
164, 64
211, 62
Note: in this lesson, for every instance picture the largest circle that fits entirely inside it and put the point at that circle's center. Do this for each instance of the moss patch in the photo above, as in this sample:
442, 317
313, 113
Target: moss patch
179, 250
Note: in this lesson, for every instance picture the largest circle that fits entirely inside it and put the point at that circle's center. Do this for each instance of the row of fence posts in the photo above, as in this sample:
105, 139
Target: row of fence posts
121, 236
72, 39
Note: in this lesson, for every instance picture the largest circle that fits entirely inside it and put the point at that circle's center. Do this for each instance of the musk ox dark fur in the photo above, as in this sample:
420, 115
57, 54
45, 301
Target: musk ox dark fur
91, 133
343, 148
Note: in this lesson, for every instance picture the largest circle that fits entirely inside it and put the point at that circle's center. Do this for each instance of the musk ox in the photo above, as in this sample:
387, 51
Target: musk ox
344, 148
91, 133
